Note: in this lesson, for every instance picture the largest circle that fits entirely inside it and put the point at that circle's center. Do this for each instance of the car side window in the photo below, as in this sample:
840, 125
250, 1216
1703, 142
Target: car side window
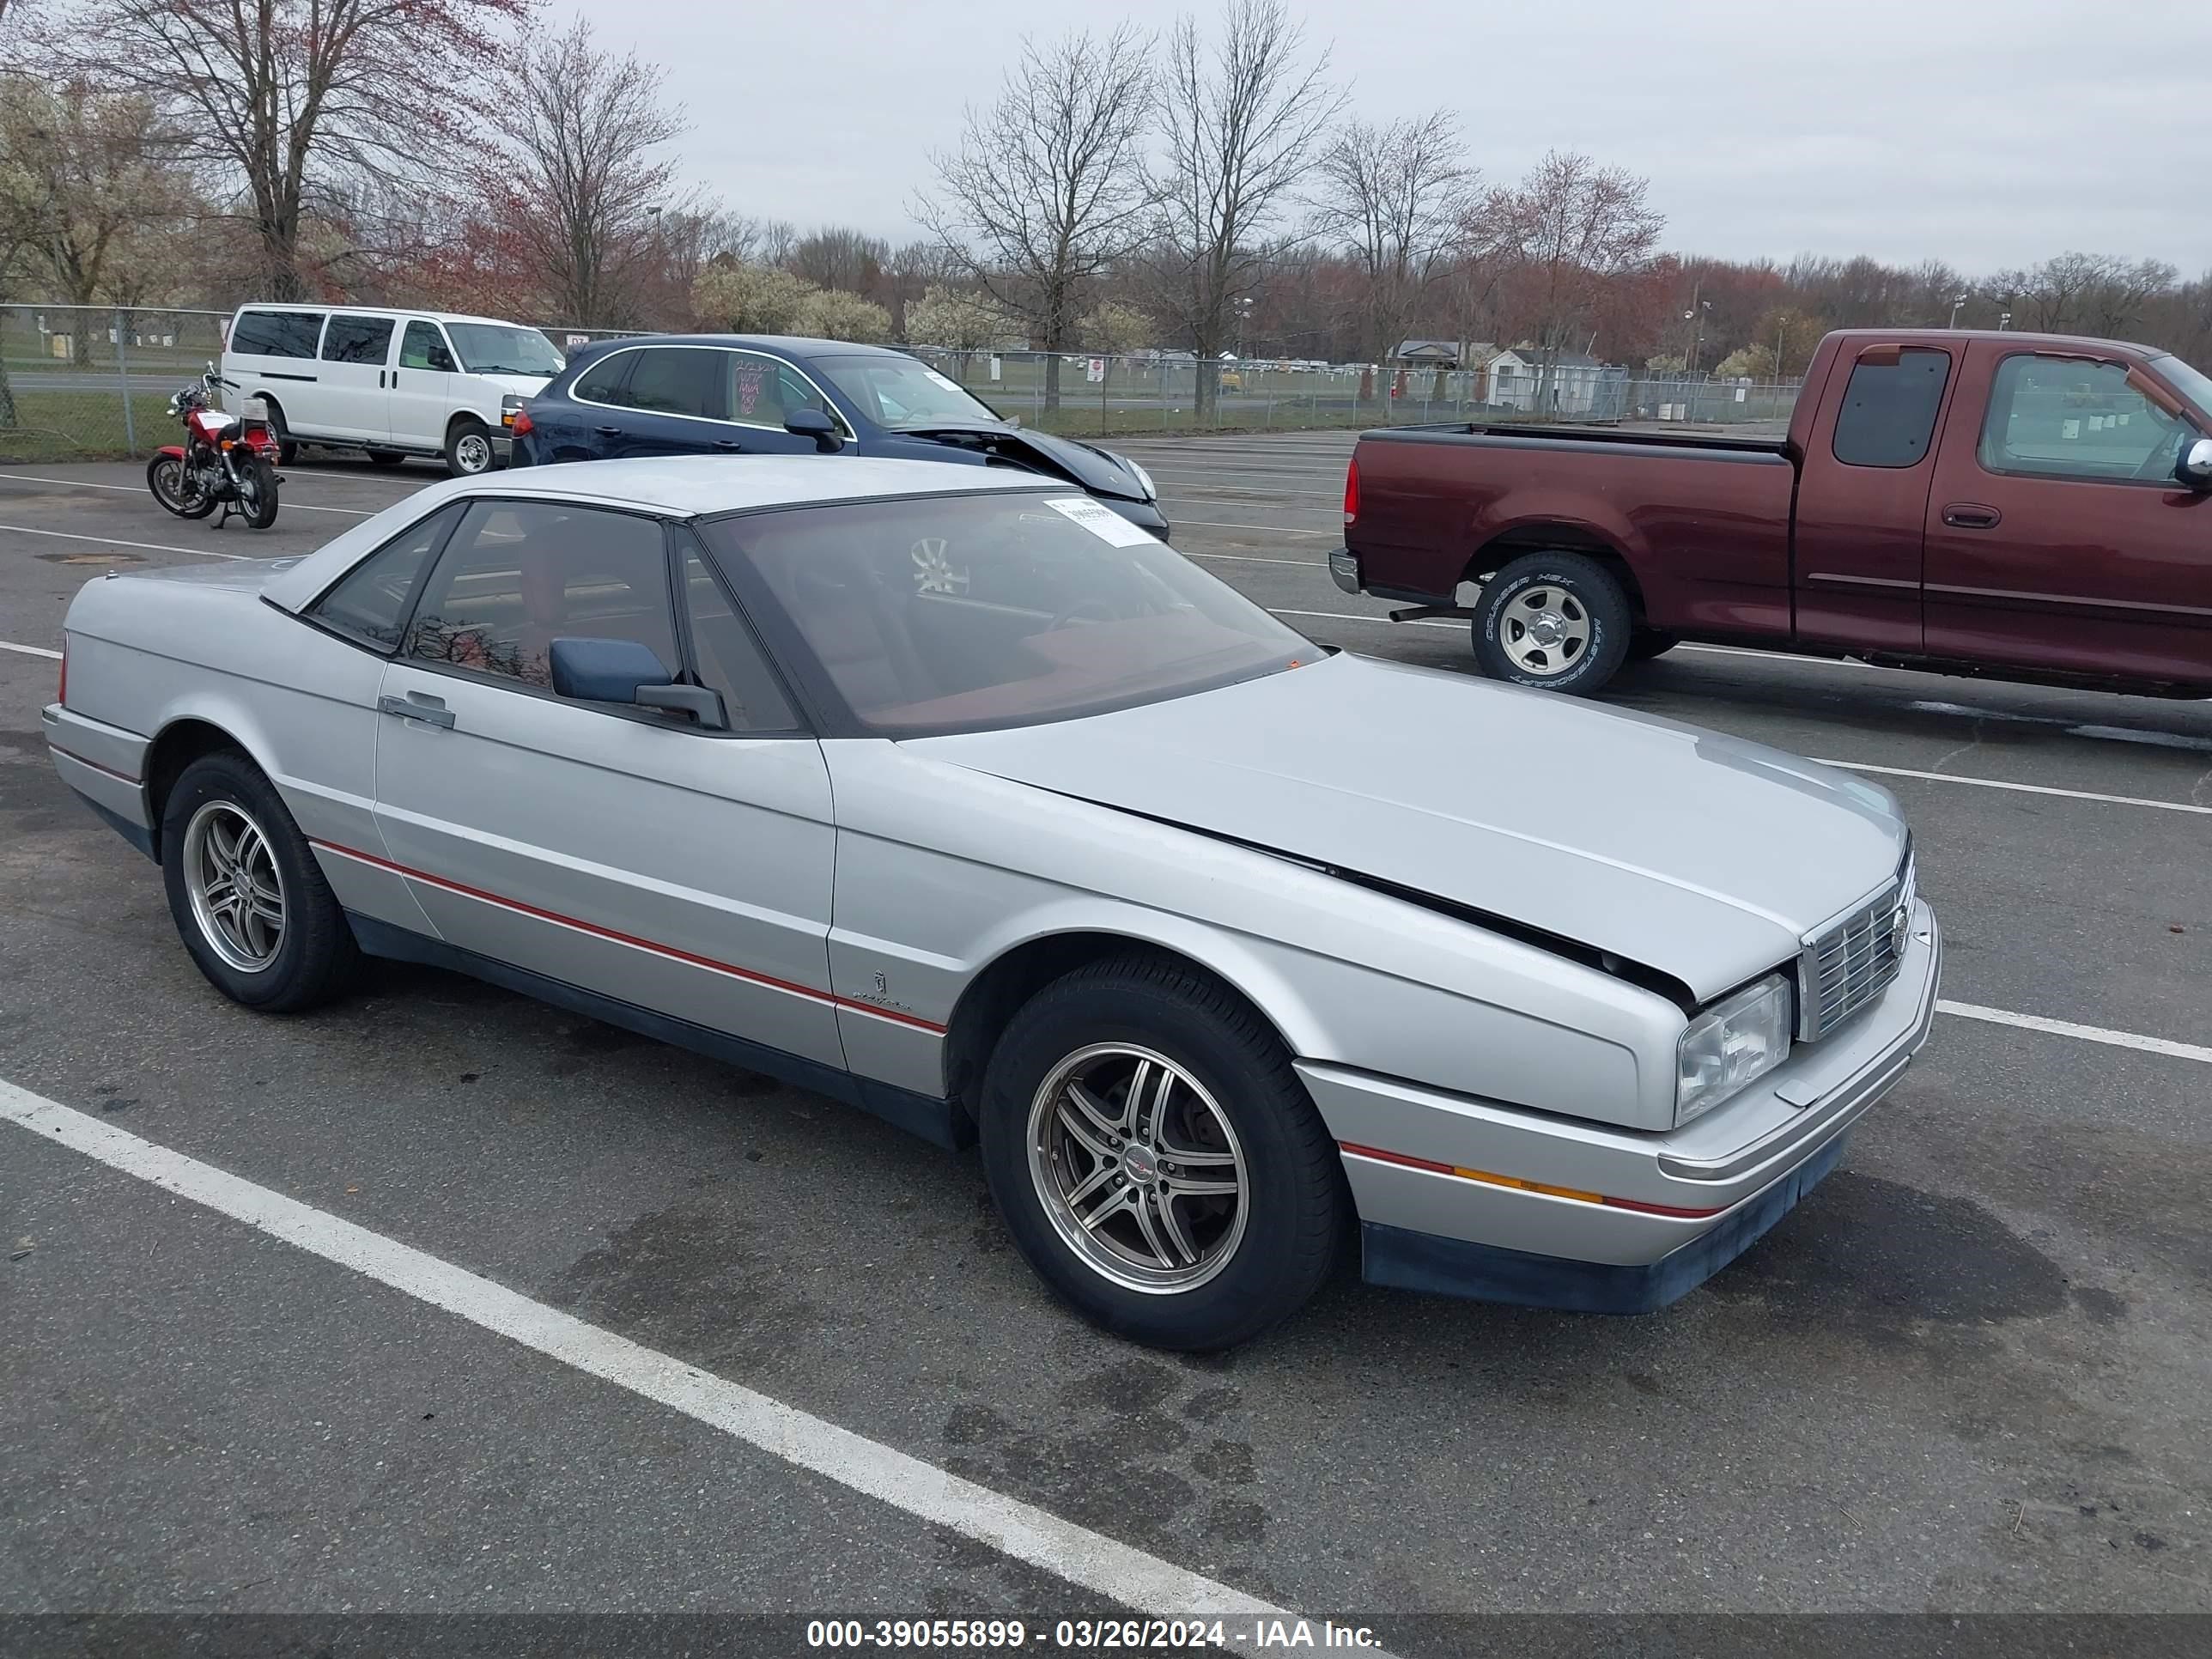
277, 333
729, 659
1889, 414
607, 381
678, 380
2064, 417
371, 602
517, 575
357, 340
423, 346
764, 391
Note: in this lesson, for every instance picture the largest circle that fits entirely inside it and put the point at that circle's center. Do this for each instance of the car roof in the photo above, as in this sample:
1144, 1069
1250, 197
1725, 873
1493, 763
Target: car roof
790, 345
381, 311
674, 486
2078, 345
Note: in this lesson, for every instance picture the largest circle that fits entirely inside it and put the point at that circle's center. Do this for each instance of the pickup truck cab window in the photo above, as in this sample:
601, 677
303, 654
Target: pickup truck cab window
517, 575
1887, 417
2068, 418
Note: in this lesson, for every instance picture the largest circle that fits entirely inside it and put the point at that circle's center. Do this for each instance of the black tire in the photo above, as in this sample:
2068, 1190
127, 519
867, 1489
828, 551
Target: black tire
1646, 643
1295, 1203
315, 956
1572, 586
164, 474
385, 457
288, 448
257, 492
466, 440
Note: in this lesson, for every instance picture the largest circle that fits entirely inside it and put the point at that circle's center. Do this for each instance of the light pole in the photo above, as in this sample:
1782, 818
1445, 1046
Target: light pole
1695, 316
1955, 305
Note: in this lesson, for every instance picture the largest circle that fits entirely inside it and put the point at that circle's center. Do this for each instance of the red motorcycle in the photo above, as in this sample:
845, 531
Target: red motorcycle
226, 461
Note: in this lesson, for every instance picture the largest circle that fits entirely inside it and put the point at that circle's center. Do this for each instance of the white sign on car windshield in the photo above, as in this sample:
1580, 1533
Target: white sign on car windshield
950, 385
1103, 522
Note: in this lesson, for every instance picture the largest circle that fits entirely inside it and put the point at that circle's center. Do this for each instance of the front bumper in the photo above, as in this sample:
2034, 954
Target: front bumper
1446, 1185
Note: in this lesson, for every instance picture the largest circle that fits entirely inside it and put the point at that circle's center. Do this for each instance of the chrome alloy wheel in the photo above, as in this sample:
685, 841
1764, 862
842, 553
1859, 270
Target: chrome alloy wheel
236, 889
1544, 630
1137, 1167
473, 454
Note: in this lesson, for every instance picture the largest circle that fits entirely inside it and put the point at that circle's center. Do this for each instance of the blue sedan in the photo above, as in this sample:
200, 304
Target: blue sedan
724, 394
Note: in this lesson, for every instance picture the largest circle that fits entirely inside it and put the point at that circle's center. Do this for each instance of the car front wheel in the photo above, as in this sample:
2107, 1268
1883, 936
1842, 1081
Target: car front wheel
1556, 621
249, 902
1156, 1158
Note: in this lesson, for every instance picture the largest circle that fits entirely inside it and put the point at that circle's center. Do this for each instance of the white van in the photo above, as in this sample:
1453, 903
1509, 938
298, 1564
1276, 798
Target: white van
393, 383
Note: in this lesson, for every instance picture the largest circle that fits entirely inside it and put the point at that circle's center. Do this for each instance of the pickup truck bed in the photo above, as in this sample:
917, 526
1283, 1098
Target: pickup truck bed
2025, 506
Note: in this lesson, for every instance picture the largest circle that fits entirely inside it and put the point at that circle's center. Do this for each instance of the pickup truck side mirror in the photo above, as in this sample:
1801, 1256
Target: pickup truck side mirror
624, 670
813, 423
2193, 471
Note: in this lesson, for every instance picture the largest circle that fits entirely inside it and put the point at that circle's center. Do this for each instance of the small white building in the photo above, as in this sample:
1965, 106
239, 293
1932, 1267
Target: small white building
1519, 380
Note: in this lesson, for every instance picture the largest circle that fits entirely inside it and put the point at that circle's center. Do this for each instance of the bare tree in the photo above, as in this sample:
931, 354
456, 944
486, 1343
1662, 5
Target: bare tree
1048, 189
285, 100
1240, 117
1396, 197
577, 190
839, 256
1576, 227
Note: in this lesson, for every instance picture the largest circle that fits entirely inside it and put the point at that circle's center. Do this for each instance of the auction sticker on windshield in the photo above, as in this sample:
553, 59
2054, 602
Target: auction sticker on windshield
950, 385
1103, 522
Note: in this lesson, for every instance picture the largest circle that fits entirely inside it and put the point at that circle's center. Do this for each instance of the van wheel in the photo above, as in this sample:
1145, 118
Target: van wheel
1553, 620
248, 899
1157, 1160
468, 449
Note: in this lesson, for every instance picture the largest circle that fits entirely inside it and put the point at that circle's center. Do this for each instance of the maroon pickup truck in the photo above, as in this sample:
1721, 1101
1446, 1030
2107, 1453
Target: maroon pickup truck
2025, 506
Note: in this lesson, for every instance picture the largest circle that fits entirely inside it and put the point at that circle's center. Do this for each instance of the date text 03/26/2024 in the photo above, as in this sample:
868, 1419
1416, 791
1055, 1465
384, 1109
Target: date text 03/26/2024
1087, 1635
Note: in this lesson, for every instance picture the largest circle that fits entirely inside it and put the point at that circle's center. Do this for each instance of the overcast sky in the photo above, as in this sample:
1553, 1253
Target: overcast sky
1985, 132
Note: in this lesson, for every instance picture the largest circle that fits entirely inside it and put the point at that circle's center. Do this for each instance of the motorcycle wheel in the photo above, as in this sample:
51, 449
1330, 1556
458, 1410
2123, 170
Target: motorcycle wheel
170, 480
257, 492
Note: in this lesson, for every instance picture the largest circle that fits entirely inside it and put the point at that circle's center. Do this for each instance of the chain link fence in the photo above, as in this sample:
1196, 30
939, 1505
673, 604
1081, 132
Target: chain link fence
81, 381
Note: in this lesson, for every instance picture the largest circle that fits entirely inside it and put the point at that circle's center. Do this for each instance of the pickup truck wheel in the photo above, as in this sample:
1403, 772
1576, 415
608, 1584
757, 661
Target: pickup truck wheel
1556, 621
249, 900
1156, 1161
1646, 643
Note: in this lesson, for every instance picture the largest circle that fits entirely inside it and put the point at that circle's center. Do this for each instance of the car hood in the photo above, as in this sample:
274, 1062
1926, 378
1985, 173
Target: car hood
523, 386
1702, 856
1097, 471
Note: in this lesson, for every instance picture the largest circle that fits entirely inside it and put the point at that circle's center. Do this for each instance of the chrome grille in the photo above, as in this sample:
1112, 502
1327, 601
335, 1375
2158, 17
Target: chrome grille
1851, 961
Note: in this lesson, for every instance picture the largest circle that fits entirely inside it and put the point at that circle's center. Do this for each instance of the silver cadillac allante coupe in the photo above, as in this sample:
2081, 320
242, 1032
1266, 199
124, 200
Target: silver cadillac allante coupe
953, 795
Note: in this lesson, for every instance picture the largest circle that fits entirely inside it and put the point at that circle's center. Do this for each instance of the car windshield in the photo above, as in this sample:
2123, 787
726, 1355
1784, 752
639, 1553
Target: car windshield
503, 349
959, 613
902, 392
2192, 383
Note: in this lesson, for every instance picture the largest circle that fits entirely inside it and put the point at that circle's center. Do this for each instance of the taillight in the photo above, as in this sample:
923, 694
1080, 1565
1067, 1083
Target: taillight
1351, 491
521, 423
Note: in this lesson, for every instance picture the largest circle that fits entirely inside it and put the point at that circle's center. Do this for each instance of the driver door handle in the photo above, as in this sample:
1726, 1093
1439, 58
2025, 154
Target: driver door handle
418, 706
608, 431
1971, 515
727, 443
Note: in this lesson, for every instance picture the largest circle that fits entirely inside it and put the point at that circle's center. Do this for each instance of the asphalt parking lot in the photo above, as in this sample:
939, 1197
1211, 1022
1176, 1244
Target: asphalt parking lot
1969, 1374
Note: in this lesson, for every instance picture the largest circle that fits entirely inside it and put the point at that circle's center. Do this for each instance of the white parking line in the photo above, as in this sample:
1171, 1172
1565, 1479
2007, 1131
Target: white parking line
135, 490
151, 547
1123, 1576
2021, 788
2149, 1045
29, 650
1272, 529
1253, 558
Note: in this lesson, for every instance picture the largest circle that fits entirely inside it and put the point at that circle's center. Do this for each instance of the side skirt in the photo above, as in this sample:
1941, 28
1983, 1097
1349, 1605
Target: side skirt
937, 1121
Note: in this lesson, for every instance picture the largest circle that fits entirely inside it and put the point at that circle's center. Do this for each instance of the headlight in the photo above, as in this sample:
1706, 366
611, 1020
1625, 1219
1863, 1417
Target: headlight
1737, 1040
1145, 478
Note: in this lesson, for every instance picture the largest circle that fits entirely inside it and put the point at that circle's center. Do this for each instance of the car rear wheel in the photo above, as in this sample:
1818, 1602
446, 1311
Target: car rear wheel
247, 897
468, 449
1553, 620
1156, 1158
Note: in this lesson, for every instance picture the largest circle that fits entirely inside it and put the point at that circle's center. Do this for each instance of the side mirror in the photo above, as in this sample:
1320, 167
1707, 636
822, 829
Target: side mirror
2194, 469
622, 670
813, 423
442, 360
